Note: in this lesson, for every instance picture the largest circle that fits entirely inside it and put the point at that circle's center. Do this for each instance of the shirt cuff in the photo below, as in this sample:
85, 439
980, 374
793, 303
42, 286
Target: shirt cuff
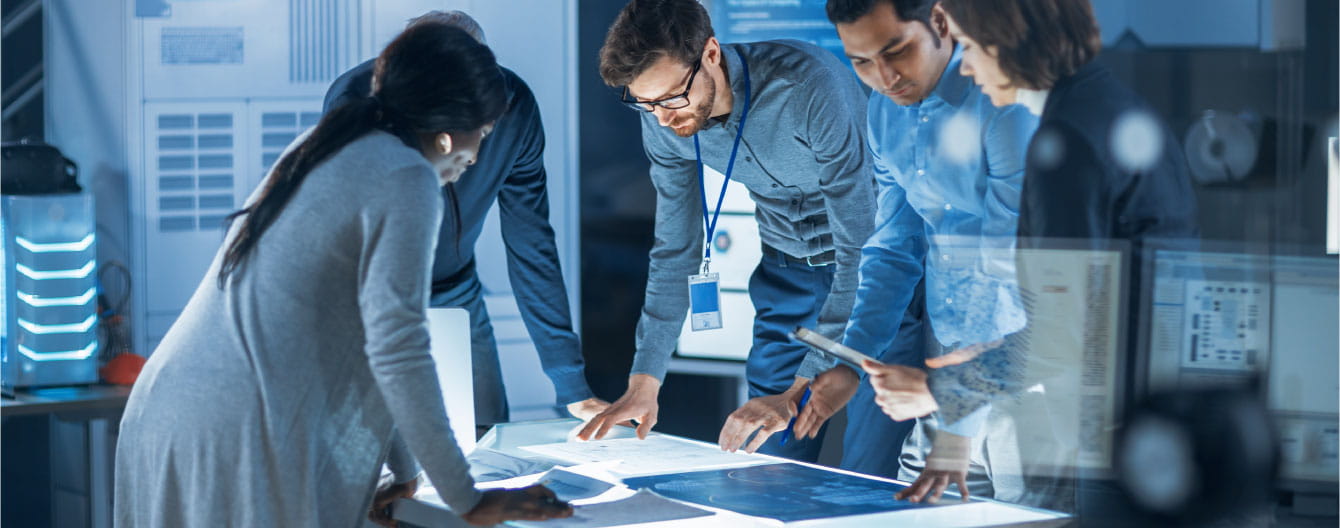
814, 364
643, 363
400, 462
461, 501
570, 385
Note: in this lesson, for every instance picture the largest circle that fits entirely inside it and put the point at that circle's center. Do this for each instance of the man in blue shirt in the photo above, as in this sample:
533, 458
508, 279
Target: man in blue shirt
949, 166
510, 170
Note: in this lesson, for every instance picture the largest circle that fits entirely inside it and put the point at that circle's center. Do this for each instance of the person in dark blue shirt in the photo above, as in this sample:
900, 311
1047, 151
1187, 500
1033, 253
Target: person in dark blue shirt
510, 170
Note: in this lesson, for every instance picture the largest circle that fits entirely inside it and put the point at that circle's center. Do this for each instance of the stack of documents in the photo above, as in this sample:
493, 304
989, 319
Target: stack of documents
655, 455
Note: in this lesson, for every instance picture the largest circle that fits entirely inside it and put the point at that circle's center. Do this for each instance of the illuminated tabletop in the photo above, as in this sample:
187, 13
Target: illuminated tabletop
533, 447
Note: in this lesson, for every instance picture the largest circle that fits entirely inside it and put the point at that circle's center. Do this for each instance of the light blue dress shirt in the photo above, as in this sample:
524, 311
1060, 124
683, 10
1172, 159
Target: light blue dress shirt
949, 171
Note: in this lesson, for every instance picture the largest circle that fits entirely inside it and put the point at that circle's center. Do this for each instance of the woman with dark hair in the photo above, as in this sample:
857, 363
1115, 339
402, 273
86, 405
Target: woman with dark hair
273, 398
1101, 165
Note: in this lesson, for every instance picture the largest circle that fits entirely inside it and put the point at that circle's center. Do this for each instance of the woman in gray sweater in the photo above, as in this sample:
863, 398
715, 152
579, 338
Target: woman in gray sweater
272, 399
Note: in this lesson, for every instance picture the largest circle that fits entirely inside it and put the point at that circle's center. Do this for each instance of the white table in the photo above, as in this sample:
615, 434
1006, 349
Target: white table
509, 438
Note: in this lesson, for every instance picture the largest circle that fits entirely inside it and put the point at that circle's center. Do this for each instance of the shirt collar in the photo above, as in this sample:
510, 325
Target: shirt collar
952, 88
735, 71
1033, 100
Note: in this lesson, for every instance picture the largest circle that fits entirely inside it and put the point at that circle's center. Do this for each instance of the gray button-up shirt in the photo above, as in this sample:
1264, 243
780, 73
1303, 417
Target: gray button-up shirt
804, 161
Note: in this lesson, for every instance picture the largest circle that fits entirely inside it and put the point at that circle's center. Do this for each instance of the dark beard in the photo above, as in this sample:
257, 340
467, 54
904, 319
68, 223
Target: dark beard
700, 114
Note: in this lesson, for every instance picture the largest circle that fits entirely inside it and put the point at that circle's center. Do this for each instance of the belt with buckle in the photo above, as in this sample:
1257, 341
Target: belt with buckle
826, 258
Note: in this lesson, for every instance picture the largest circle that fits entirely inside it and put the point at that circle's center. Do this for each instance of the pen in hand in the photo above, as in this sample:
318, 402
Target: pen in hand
804, 398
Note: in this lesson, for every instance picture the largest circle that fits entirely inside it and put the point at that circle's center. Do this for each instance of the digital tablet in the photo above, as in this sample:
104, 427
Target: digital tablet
830, 348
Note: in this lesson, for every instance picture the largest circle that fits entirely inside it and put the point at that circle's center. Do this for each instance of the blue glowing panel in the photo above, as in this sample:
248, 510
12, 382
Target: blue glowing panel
755, 20
786, 492
50, 334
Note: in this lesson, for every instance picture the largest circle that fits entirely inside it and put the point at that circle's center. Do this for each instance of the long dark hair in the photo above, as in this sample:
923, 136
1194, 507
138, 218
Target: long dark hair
431, 79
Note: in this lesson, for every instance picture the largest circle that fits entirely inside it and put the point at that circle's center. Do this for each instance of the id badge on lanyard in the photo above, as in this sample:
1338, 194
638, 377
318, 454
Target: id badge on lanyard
704, 301
705, 287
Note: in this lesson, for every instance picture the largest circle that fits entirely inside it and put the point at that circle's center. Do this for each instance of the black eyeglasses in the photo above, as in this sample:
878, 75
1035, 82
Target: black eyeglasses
674, 102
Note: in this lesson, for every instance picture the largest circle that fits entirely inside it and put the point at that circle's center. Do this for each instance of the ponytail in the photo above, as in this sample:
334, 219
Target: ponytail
462, 91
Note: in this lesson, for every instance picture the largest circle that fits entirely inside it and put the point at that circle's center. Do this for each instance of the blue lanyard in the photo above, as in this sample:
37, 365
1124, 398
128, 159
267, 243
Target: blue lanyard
710, 222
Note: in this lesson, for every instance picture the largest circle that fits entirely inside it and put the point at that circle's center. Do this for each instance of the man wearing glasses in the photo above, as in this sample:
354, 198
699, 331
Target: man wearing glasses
785, 119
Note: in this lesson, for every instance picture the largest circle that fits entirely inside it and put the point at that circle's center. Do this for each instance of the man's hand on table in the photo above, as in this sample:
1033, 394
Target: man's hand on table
587, 409
947, 464
764, 414
638, 403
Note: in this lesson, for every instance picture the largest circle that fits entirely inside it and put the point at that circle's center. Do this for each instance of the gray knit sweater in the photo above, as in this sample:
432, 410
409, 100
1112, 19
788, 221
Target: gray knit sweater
271, 402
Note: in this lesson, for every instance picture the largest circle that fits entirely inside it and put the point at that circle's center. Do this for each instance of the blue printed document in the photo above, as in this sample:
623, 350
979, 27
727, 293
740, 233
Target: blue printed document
786, 492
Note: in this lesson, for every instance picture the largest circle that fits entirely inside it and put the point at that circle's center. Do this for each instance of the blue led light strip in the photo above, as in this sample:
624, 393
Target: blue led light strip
39, 302
67, 355
58, 274
54, 247
74, 328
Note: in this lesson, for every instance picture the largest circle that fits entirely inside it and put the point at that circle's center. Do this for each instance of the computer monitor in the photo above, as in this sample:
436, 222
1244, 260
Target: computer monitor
449, 333
1225, 315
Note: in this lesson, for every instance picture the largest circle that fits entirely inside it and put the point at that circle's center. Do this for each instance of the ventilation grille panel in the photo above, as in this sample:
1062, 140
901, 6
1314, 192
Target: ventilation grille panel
323, 35
195, 171
278, 130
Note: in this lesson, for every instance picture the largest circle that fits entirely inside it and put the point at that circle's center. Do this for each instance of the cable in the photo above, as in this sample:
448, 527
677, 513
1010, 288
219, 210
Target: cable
120, 305
112, 315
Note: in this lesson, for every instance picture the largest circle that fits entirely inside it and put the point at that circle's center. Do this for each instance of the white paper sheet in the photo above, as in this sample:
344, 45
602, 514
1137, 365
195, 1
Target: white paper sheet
567, 485
655, 455
488, 465
571, 486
